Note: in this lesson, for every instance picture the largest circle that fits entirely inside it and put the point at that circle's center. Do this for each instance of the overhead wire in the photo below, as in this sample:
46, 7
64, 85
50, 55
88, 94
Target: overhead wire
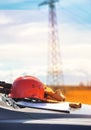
76, 17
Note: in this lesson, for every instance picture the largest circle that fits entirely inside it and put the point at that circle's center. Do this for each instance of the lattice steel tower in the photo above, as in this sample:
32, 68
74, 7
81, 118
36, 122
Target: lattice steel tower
55, 74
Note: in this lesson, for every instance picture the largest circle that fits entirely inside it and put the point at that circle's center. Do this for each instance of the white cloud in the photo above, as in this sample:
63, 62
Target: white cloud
24, 33
5, 19
11, 74
23, 47
75, 44
31, 29
20, 29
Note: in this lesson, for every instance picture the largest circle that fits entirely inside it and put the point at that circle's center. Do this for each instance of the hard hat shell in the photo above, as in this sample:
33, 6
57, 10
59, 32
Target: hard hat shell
27, 87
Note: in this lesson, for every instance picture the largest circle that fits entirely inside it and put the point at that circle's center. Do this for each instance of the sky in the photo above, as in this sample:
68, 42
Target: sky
24, 39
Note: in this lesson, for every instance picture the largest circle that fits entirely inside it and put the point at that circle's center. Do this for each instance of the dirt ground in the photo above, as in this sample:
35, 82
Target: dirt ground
78, 94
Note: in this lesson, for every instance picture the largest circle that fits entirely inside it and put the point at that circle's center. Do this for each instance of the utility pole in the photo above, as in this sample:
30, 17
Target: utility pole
55, 74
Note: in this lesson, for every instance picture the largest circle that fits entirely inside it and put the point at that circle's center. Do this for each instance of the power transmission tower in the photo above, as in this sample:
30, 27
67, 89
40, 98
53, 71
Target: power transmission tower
55, 74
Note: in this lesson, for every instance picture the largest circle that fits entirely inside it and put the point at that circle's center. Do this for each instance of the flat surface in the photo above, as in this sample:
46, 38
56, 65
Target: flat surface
60, 107
29, 118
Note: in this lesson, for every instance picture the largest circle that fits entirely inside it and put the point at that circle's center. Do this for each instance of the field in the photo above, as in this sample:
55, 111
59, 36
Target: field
77, 93
83, 96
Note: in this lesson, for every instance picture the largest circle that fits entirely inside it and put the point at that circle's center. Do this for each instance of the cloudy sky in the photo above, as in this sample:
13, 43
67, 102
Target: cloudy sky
24, 39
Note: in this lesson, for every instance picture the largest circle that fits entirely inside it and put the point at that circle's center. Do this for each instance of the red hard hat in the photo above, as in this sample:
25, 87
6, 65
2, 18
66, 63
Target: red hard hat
27, 87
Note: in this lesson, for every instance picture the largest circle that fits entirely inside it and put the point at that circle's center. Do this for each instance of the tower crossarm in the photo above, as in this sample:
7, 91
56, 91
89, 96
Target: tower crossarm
49, 2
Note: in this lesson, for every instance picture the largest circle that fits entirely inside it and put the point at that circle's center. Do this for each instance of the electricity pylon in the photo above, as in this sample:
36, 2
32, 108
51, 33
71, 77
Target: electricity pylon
55, 74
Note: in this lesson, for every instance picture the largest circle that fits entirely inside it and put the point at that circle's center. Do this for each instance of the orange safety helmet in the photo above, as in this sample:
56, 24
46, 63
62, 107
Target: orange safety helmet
27, 87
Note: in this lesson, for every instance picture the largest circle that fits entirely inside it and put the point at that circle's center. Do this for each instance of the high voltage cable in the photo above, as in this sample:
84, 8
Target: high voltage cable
75, 17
